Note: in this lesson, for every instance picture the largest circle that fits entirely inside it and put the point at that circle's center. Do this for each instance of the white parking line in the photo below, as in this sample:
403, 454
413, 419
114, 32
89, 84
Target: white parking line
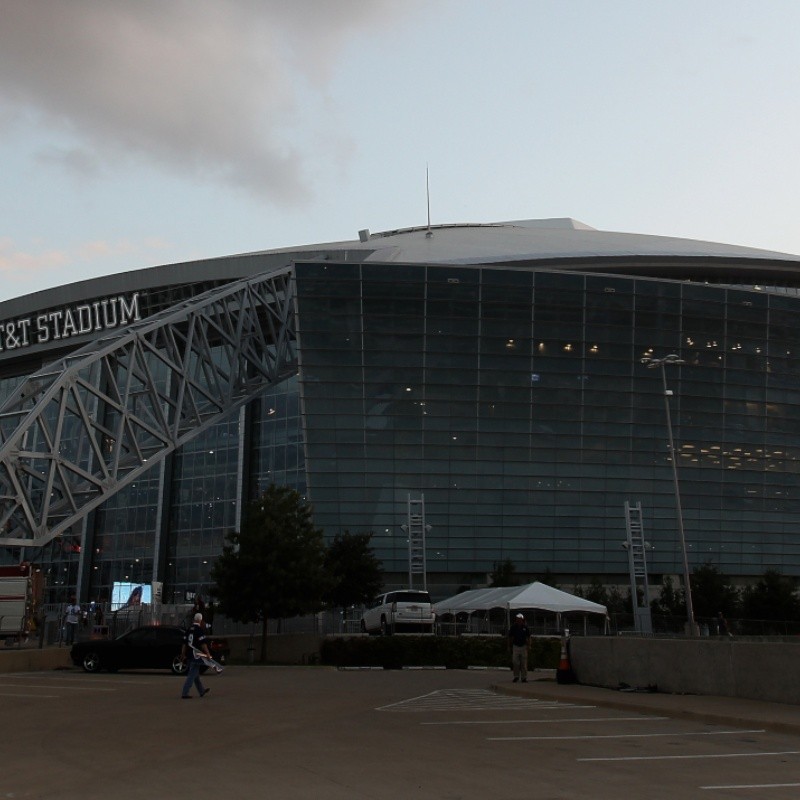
618, 736
459, 705
76, 678
405, 702
17, 694
67, 688
710, 755
471, 700
753, 786
544, 720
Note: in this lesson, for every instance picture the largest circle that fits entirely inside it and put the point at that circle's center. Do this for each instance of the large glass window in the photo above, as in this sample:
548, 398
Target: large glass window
516, 403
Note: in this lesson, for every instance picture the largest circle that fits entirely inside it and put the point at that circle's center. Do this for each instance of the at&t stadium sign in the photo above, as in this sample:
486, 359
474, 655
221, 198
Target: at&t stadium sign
64, 323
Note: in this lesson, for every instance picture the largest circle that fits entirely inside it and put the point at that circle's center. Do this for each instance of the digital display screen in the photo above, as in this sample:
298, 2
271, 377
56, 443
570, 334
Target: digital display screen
129, 595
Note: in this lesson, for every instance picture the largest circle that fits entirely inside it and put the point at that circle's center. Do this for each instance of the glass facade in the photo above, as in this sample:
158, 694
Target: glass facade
514, 400
276, 453
516, 403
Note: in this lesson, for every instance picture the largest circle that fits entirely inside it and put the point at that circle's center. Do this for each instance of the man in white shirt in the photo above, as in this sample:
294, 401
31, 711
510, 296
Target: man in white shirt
72, 617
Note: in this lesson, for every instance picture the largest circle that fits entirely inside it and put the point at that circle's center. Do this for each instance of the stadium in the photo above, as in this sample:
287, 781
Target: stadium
469, 393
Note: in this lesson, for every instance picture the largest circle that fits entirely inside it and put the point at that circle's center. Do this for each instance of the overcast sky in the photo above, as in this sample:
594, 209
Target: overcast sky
141, 133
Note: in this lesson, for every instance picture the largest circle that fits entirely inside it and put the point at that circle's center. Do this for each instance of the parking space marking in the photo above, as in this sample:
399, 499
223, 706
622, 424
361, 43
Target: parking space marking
703, 756
81, 677
545, 720
620, 735
18, 694
472, 700
753, 786
68, 688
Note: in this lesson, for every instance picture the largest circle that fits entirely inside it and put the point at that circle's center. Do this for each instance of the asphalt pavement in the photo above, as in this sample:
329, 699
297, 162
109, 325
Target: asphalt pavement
712, 709
301, 733
542, 684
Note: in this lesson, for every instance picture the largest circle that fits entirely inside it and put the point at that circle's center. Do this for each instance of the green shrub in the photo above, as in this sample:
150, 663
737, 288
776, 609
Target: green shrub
453, 652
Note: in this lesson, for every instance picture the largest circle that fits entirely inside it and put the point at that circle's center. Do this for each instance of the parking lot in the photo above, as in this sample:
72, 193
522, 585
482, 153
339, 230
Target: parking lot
316, 732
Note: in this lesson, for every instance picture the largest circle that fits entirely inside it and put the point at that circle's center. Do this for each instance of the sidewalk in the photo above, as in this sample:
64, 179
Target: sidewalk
712, 709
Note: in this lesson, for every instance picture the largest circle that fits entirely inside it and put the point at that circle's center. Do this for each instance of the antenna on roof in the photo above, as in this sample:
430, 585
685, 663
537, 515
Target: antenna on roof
428, 194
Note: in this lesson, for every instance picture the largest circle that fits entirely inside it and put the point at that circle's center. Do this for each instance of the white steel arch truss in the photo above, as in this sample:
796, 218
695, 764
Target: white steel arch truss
82, 428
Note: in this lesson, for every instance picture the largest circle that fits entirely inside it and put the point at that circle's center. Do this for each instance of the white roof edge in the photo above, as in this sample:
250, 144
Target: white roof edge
560, 223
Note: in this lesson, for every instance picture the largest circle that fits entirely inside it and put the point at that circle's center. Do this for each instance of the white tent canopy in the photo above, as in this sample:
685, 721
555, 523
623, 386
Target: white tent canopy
535, 595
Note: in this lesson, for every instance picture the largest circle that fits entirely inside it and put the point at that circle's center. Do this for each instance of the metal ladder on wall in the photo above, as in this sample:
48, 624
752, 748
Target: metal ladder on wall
637, 565
416, 530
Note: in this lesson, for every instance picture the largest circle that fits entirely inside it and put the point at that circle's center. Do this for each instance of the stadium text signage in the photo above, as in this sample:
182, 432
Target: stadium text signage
69, 321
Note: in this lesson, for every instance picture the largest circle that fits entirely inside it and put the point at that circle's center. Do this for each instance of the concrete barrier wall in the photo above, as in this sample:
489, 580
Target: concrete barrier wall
30, 659
287, 648
757, 670
284, 648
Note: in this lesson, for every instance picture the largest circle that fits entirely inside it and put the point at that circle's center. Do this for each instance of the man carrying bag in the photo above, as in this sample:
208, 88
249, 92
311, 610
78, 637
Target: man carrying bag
194, 650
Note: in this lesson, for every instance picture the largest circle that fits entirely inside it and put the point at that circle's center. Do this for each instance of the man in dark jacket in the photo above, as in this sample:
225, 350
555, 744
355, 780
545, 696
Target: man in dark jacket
519, 640
194, 649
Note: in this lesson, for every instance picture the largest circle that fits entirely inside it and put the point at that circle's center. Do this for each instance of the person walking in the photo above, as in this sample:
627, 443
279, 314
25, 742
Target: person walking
519, 640
193, 651
199, 607
72, 615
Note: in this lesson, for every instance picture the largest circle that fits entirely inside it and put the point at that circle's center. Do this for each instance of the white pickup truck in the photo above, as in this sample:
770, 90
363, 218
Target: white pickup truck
401, 611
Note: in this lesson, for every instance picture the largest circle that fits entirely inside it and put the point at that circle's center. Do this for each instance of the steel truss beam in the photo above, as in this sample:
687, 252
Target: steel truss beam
85, 426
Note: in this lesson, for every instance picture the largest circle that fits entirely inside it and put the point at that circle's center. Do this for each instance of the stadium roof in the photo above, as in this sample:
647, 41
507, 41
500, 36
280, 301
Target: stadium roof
522, 240
560, 243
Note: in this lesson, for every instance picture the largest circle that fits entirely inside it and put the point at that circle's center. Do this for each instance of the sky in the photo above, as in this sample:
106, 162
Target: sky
134, 134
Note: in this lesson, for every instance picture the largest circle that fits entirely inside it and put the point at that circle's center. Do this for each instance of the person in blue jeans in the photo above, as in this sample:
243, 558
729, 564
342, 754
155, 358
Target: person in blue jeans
194, 649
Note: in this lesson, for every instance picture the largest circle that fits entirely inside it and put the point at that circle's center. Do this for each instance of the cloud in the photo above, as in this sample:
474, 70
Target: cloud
18, 264
36, 269
205, 89
77, 160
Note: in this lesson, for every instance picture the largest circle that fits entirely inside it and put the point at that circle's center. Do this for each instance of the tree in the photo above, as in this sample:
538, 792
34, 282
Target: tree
355, 574
613, 599
548, 578
772, 598
712, 592
504, 573
274, 567
670, 602
618, 603
596, 592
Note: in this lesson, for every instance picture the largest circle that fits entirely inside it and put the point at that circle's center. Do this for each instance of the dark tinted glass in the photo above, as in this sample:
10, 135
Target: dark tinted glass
410, 597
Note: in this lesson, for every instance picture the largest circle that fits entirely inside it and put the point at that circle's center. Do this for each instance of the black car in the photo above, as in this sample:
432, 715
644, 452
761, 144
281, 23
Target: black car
148, 647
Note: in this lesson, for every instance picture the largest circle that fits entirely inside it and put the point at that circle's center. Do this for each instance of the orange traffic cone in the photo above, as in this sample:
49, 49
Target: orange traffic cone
564, 673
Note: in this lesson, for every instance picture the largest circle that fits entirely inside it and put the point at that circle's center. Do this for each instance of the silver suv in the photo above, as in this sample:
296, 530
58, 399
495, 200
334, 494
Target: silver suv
404, 610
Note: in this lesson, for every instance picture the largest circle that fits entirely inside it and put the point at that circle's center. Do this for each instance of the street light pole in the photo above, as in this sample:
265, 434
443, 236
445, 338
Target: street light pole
652, 363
